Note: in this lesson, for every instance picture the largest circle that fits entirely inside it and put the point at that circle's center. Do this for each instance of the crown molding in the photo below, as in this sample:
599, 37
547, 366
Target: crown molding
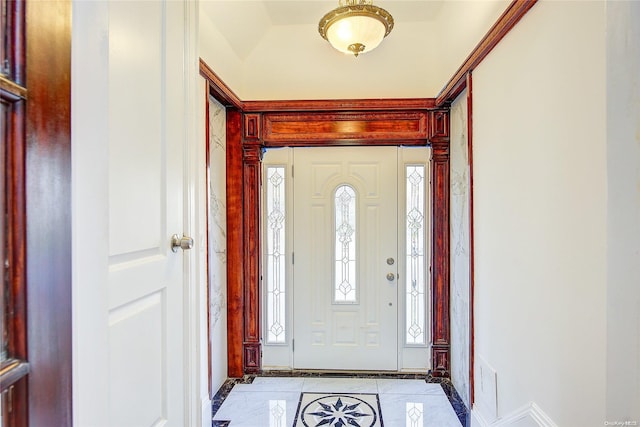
509, 18
218, 88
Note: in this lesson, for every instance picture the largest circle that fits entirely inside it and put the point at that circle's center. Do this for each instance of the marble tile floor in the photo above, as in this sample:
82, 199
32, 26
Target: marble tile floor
267, 401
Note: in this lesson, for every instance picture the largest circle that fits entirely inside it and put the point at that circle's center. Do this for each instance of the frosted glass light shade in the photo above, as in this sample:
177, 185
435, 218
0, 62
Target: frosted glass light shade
356, 28
350, 31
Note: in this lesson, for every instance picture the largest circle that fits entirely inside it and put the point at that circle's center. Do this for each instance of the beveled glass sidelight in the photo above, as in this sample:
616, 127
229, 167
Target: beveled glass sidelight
275, 267
345, 245
415, 253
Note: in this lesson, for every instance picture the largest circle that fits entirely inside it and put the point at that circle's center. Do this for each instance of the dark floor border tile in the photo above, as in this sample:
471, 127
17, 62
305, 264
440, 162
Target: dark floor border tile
344, 374
222, 394
454, 398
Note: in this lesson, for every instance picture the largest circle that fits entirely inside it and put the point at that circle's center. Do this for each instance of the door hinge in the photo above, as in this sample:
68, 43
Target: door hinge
293, 345
293, 258
291, 171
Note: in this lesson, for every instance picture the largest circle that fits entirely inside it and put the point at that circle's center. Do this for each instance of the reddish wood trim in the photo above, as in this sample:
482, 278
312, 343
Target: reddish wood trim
208, 292
308, 129
251, 215
15, 34
514, 12
218, 89
439, 121
14, 404
252, 127
14, 371
252, 358
326, 105
440, 330
48, 198
235, 245
16, 229
8, 87
433, 123
471, 244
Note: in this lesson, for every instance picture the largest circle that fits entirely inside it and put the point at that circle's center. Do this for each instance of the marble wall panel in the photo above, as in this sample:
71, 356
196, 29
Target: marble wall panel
460, 252
217, 223
217, 209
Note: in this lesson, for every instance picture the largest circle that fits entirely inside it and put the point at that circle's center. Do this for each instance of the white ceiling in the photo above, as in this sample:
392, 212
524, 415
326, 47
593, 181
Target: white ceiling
271, 49
244, 22
310, 11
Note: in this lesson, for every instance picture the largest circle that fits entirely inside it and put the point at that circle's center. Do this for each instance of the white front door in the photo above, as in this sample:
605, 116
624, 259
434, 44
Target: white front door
146, 206
345, 266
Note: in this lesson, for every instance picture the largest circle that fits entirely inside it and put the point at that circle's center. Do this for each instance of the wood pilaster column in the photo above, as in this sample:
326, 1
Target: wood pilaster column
235, 245
441, 347
251, 171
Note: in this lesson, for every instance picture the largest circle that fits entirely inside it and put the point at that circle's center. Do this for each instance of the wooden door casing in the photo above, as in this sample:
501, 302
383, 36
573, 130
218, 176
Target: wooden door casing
428, 127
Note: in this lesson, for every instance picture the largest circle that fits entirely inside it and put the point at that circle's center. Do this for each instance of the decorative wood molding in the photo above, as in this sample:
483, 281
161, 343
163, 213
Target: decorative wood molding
252, 358
440, 361
235, 245
8, 88
16, 228
393, 104
514, 12
48, 189
208, 293
251, 218
248, 134
440, 331
439, 125
218, 88
317, 128
471, 243
252, 127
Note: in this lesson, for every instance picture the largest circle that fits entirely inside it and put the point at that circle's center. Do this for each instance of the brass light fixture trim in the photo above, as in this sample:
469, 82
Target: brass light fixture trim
353, 8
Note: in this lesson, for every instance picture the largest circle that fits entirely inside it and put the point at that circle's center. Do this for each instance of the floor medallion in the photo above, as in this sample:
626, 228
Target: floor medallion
338, 410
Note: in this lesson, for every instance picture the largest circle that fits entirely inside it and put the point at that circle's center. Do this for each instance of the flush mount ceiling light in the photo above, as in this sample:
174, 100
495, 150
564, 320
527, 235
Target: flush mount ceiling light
355, 26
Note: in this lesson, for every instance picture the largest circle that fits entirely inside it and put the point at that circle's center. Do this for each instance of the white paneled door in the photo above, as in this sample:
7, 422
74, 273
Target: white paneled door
146, 325
345, 267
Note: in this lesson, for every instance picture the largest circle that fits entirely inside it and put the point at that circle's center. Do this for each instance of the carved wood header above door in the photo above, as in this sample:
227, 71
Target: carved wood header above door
321, 128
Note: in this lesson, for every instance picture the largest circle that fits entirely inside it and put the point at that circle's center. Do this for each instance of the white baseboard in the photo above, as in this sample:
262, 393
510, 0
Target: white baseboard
205, 412
529, 412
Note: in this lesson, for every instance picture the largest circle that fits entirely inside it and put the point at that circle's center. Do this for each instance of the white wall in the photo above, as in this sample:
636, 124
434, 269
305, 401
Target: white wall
215, 50
461, 26
540, 207
460, 247
623, 211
